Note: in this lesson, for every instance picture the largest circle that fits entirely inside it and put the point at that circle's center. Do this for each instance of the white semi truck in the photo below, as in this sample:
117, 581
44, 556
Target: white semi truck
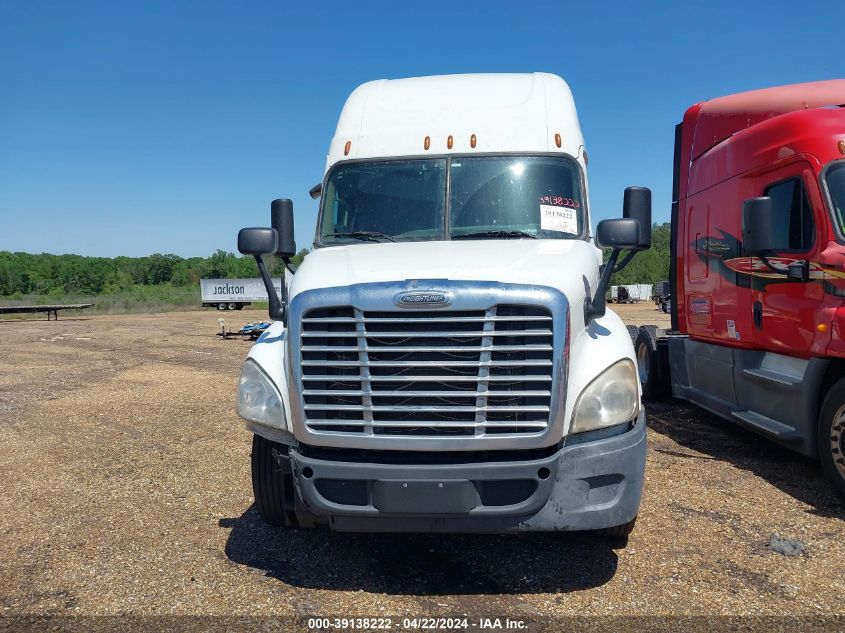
443, 359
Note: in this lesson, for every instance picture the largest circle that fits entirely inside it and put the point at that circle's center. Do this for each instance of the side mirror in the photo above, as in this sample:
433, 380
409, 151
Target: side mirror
758, 226
631, 232
281, 219
257, 241
618, 233
636, 205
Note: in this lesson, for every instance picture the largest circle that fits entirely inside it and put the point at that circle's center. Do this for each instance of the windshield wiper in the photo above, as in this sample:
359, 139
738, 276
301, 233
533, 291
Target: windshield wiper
483, 234
369, 236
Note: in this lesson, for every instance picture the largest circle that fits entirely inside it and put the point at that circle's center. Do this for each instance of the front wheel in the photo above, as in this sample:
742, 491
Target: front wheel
619, 531
272, 483
831, 437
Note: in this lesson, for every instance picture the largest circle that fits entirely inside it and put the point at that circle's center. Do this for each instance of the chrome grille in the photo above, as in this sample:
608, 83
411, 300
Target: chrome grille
425, 373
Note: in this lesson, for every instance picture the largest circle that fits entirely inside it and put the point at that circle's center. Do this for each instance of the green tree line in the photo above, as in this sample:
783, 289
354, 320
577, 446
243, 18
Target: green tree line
649, 266
25, 274
57, 275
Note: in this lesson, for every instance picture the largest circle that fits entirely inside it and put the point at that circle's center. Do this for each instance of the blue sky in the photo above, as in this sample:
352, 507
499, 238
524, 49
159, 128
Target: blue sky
164, 126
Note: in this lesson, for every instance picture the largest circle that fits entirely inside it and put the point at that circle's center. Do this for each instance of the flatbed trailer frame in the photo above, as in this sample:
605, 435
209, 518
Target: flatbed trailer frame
49, 309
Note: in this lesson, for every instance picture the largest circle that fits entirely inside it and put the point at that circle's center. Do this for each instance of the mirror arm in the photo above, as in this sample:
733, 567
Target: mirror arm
596, 306
765, 260
291, 268
625, 261
277, 308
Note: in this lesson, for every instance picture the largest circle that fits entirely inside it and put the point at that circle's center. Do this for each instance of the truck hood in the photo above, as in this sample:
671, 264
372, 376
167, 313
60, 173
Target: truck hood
568, 265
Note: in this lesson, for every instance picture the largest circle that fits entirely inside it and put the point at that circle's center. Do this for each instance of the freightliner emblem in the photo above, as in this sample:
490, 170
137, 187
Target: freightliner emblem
423, 299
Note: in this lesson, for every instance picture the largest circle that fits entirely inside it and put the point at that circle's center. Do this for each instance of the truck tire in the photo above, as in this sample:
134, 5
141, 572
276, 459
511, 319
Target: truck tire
633, 332
653, 374
221, 306
831, 437
272, 484
233, 306
620, 531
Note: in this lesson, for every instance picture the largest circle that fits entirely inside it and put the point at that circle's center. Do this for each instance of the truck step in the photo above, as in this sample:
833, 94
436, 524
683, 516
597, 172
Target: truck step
766, 425
773, 376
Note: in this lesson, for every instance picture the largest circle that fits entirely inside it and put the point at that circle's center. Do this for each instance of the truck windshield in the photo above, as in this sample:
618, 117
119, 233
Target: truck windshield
836, 187
513, 197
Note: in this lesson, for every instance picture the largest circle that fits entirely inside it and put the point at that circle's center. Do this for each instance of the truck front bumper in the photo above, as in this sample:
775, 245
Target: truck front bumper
584, 486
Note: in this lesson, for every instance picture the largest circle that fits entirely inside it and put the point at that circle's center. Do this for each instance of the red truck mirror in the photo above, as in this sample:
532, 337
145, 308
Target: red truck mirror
758, 226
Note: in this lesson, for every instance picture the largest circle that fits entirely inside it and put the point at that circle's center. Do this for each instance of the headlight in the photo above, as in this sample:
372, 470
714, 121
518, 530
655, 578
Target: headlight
612, 398
258, 399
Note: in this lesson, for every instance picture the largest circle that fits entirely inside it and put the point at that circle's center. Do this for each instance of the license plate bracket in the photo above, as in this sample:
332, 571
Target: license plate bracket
424, 496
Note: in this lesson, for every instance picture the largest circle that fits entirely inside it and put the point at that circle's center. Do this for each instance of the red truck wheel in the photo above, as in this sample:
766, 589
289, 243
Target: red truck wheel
652, 372
831, 437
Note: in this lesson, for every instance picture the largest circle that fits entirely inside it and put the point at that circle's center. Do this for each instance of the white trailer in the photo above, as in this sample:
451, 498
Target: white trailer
632, 293
639, 292
444, 359
234, 294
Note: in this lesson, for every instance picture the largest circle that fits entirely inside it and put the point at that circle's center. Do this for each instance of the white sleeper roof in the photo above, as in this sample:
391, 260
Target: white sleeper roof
505, 112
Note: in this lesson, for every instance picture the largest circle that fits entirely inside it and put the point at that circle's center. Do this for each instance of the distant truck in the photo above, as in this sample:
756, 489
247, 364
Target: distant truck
757, 268
234, 294
661, 294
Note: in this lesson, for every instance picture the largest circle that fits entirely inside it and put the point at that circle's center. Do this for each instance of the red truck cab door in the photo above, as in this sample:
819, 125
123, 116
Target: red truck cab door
783, 311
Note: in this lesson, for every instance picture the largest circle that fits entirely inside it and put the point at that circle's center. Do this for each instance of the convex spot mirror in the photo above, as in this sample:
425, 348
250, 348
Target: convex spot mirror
618, 233
257, 241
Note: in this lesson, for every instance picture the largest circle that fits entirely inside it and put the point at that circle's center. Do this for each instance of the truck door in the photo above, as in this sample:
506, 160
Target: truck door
783, 311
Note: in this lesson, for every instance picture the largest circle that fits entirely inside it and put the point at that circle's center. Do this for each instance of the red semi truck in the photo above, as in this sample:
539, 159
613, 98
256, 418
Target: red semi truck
758, 268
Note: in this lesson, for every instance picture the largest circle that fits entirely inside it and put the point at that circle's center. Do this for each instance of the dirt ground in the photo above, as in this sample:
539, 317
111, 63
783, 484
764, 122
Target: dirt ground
126, 490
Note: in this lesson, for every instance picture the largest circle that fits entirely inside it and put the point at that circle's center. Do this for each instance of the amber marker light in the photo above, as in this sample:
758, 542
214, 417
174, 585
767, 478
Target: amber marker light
557, 140
427, 142
449, 142
821, 327
472, 141
347, 147
841, 146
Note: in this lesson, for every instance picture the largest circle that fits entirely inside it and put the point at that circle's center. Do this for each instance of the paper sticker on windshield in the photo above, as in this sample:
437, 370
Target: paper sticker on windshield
560, 219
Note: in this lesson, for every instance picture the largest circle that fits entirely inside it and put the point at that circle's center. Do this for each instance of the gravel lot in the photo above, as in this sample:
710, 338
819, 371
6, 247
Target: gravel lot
125, 489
